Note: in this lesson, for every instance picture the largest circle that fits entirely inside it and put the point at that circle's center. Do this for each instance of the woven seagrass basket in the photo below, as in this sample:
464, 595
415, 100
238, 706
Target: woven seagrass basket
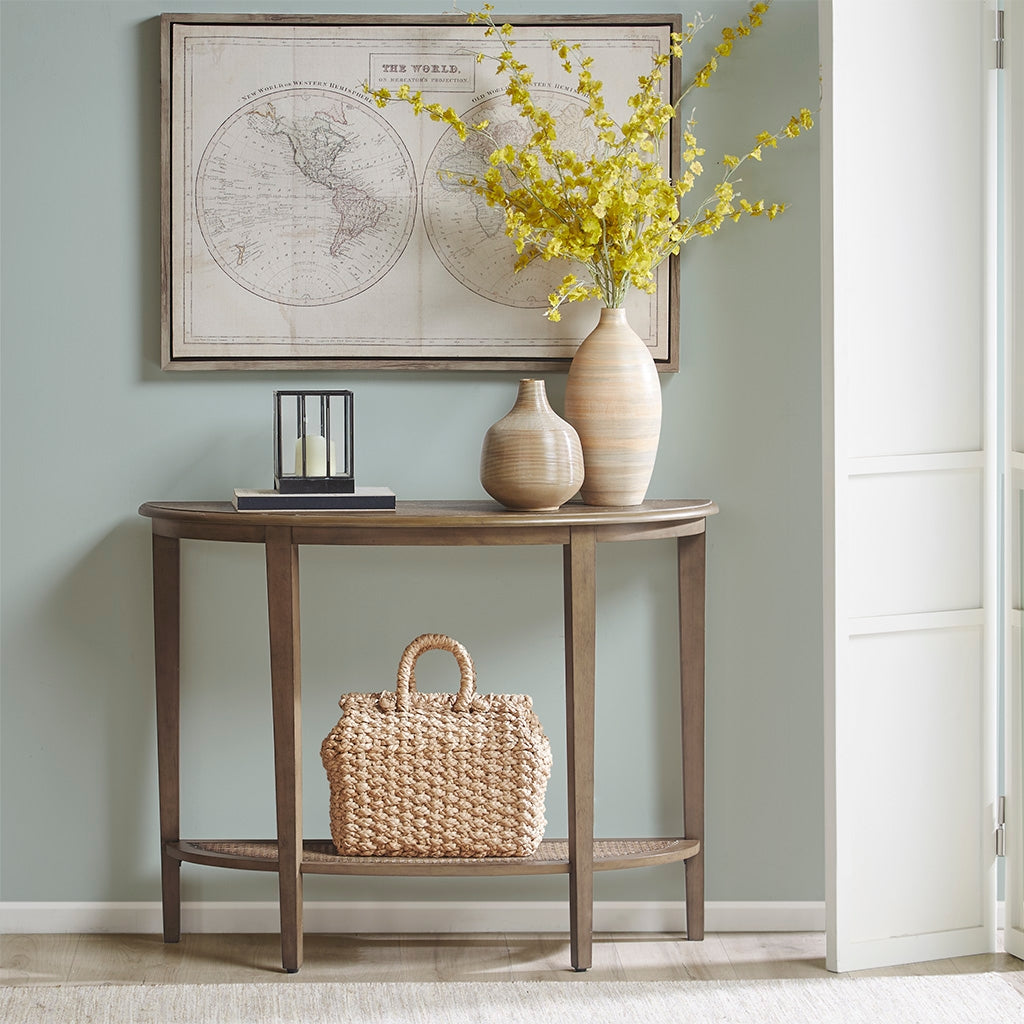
437, 774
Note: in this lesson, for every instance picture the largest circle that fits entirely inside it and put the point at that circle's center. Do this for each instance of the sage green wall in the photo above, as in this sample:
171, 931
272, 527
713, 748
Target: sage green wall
92, 428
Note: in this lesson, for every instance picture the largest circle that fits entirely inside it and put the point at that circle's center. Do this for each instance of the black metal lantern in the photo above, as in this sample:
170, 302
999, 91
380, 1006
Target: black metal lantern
313, 442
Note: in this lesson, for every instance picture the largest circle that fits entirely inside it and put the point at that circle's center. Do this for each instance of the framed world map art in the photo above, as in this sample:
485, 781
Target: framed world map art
304, 227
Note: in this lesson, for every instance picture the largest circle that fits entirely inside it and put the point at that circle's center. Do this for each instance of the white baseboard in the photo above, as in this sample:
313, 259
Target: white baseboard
410, 917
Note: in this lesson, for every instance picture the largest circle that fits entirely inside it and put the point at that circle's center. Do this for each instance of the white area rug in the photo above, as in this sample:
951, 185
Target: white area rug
956, 999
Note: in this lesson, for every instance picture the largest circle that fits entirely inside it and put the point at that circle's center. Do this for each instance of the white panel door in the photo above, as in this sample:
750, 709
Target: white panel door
909, 386
1013, 503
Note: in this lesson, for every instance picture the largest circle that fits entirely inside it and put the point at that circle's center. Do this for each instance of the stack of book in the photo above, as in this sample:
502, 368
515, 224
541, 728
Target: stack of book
362, 499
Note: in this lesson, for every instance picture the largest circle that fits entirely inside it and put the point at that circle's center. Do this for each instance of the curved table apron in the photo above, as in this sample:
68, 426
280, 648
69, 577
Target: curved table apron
577, 529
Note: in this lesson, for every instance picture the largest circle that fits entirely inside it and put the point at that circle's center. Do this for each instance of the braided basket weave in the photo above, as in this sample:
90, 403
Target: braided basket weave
437, 774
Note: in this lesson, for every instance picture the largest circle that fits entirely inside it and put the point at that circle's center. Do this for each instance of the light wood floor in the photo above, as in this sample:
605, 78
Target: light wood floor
145, 959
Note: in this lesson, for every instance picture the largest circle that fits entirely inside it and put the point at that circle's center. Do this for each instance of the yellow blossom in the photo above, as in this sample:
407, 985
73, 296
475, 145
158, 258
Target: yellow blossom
614, 212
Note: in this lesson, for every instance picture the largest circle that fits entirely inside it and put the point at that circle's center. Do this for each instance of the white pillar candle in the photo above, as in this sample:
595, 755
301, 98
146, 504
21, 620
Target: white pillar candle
316, 455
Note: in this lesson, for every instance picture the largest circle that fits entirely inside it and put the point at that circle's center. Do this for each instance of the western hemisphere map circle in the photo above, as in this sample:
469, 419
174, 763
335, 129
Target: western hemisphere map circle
306, 196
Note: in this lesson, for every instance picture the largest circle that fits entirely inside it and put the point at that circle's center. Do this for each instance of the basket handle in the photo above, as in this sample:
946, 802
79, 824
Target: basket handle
406, 684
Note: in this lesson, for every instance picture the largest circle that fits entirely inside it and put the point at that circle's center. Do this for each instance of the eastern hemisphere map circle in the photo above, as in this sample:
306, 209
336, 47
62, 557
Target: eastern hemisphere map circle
306, 197
466, 234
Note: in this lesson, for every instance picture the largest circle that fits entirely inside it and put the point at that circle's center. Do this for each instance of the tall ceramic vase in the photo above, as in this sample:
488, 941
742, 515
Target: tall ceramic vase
531, 459
613, 399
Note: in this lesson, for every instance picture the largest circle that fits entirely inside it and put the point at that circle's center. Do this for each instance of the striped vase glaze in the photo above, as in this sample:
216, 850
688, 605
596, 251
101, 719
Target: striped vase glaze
531, 459
613, 399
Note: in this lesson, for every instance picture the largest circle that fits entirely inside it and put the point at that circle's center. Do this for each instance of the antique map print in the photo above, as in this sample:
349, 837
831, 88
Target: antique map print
310, 227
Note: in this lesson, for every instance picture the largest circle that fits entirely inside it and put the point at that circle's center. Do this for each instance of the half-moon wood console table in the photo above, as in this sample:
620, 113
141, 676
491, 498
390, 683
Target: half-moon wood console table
577, 529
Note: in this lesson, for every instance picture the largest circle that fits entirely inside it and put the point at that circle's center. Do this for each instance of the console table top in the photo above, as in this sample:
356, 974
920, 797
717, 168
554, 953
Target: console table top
436, 514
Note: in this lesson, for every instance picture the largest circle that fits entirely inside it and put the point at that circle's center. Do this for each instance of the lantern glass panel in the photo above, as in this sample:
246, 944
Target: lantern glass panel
313, 442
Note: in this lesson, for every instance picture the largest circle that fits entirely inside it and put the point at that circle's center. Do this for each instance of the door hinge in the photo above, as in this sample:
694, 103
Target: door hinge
1000, 40
1001, 827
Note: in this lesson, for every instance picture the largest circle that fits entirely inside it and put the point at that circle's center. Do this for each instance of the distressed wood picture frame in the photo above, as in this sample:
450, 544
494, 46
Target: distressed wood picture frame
305, 228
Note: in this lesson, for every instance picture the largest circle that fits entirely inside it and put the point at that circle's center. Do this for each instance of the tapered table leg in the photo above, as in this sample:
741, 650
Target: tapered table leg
691, 560
579, 565
285, 677
167, 648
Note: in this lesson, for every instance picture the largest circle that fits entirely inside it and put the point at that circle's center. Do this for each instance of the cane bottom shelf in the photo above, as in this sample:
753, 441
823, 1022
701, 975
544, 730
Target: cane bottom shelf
318, 857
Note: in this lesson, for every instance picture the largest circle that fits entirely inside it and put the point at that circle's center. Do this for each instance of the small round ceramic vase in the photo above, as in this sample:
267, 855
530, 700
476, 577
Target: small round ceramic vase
531, 459
613, 399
